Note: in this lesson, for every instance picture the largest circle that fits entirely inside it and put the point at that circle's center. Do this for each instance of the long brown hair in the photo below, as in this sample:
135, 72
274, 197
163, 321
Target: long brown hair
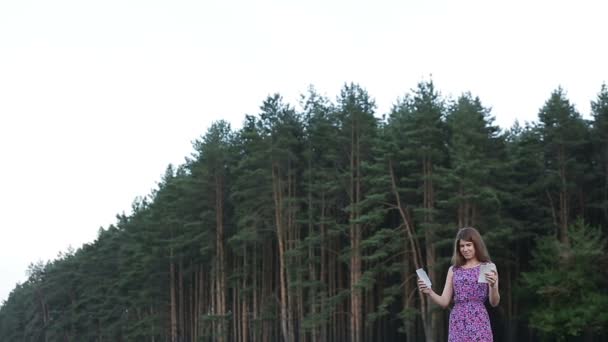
471, 235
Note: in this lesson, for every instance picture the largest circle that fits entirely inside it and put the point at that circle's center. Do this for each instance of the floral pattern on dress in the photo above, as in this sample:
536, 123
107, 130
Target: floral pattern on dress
469, 320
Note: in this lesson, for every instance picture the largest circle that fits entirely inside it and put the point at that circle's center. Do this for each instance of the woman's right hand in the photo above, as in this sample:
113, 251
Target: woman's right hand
423, 288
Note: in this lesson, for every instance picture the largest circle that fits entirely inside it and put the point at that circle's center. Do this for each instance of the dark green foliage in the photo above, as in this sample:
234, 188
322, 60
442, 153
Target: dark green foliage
568, 282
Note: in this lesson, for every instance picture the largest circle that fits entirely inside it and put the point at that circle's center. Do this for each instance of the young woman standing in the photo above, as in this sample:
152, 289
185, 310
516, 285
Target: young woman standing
469, 320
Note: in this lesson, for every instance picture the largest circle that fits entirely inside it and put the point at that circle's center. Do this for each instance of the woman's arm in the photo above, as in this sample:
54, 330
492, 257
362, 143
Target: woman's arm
493, 293
448, 290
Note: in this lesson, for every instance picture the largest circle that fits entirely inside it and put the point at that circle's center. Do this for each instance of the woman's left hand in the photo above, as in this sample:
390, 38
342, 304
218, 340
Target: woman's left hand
492, 278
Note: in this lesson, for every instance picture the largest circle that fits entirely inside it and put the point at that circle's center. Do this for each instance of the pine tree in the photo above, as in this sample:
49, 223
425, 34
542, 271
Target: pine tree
321, 188
425, 135
520, 184
210, 172
357, 129
563, 133
474, 151
282, 131
253, 241
599, 136
400, 166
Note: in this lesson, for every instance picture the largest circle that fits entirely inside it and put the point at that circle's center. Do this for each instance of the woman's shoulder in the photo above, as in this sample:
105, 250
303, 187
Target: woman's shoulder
451, 270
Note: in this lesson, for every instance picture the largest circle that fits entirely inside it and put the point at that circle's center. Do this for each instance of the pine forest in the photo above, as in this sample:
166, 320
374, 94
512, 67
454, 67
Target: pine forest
307, 224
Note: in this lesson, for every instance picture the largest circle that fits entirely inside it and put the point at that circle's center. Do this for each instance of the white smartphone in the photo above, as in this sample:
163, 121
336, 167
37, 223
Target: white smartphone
483, 269
425, 277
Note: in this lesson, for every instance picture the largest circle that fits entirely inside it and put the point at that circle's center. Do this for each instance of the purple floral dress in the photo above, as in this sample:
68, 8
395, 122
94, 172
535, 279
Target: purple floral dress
469, 320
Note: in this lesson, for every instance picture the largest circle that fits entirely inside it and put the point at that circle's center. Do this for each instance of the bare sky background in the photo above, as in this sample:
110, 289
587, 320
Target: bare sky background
97, 98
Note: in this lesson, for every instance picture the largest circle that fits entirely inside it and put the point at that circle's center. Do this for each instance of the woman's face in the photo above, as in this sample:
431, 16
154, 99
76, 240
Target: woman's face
467, 249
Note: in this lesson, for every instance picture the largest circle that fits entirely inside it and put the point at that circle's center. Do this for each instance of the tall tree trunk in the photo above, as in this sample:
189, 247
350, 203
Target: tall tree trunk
324, 265
173, 309
563, 198
429, 200
220, 259
356, 320
266, 291
331, 292
44, 311
280, 232
244, 307
292, 237
409, 288
201, 297
180, 304
194, 303
342, 324
355, 277
236, 311
312, 268
414, 247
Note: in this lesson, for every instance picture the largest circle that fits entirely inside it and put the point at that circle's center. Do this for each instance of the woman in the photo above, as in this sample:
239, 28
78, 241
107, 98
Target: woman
469, 320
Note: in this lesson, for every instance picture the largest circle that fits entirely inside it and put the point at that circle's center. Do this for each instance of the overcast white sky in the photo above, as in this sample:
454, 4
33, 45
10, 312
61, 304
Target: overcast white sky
97, 97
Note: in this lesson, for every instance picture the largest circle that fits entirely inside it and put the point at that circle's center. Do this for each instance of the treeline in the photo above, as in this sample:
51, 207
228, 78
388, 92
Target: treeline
308, 222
